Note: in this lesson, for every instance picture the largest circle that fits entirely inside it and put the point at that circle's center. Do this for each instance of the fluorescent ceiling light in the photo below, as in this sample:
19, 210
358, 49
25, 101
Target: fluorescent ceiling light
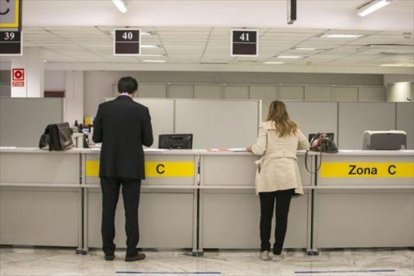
398, 65
372, 6
341, 36
120, 5
289, 57
154, 60
149, 46
152, 55
146, 33
304, 49
273, 62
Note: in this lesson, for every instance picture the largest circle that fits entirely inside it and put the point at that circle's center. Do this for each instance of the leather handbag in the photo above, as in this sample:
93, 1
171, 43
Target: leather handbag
57, 137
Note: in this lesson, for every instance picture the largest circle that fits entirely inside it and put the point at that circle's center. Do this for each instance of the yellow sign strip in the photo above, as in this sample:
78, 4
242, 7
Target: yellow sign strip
92, 168
15, 23
152, 168
367, 169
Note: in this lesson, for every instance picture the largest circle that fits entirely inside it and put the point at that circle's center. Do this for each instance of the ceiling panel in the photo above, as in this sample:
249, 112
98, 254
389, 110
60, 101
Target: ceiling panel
212, 45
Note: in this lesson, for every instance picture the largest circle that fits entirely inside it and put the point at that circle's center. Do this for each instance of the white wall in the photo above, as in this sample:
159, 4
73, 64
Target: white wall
73, 102
400, 92
55, 81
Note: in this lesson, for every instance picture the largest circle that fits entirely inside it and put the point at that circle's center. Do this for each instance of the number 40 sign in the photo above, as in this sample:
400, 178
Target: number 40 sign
244, 43
127, 42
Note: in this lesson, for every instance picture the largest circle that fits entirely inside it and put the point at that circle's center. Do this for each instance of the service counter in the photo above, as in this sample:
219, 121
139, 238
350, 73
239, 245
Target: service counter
230, 209
168, 202
40, 198
202, 199
365, 199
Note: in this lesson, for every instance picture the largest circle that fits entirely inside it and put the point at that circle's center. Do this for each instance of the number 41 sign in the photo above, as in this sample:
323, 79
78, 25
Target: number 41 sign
244, 43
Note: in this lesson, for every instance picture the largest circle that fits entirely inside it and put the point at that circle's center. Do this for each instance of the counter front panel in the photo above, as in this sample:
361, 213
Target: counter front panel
165, 220
48, 168
39, 216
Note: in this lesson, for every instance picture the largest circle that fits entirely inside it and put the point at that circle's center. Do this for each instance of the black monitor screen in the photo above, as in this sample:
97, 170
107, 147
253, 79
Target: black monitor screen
175, 141
329, 134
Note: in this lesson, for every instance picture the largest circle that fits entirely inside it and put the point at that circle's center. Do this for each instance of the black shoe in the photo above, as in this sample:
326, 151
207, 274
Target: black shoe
137, 257
109, 257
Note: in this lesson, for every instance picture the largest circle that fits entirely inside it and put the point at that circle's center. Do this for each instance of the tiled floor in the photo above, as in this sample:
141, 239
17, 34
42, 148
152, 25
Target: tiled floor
167, 263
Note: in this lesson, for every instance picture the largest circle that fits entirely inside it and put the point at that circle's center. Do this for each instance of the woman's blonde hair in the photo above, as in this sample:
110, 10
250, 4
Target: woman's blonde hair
278, 114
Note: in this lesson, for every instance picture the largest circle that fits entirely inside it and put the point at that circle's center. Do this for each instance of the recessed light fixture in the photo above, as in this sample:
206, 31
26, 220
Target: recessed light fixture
120, 5
304, 49
397, 65
341, 36
372, 6
154, 60
149, 46
289, 57
273, 62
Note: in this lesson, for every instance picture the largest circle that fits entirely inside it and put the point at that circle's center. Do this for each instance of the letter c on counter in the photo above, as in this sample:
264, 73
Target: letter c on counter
391, 169
160, 168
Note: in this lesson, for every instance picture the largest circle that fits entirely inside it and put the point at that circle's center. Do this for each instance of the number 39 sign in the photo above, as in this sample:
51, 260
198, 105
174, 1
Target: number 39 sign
127, 42
244, 43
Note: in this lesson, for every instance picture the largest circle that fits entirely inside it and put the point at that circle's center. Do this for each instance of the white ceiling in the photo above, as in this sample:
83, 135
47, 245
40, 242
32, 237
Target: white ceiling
186, 39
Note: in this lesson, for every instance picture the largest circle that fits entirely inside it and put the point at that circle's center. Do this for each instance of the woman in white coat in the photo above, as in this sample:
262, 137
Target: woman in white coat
277, 177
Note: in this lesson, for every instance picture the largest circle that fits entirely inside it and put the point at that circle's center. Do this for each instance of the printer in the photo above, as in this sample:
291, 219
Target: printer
384, 140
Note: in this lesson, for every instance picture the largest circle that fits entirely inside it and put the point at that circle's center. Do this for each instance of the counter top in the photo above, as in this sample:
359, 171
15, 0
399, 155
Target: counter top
233, 152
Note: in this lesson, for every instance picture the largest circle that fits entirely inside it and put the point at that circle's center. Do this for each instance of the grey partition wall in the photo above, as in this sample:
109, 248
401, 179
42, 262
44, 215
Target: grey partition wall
23, 120
218, 123
162, 116
355, 118
315, 117
405, 121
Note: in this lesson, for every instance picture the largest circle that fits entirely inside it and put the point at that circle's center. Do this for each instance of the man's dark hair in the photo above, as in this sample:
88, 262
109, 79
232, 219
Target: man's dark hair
127, 84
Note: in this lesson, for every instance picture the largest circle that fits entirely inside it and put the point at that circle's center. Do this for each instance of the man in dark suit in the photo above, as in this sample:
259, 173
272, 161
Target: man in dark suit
123, 126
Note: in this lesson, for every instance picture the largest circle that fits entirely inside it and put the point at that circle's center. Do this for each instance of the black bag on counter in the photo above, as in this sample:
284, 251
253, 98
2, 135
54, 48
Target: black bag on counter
321, 142
57, 137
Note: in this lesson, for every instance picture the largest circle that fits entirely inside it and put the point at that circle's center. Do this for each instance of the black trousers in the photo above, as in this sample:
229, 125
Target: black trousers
131, 188
267, 204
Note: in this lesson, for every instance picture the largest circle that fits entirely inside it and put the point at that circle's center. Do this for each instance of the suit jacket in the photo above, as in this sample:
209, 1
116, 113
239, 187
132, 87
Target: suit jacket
123, 126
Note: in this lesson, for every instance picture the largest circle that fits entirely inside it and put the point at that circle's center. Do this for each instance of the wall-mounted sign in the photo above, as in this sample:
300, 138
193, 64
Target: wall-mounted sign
11, 43
367, 169
11, 14
127, 42
244, 43
18, 77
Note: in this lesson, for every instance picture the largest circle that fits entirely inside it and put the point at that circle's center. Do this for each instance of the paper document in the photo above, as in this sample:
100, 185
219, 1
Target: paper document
238, 149
150, 149
228, 149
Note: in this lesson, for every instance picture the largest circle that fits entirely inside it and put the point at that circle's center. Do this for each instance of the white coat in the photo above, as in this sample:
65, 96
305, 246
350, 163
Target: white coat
278, 168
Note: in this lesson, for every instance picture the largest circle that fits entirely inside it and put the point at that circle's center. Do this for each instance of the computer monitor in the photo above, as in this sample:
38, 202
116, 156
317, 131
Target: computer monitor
329, 134
175, 141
